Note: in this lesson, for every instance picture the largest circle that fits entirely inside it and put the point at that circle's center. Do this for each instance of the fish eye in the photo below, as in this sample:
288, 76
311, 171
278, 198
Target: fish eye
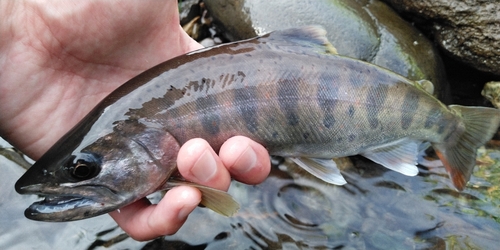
84, 166
81, 169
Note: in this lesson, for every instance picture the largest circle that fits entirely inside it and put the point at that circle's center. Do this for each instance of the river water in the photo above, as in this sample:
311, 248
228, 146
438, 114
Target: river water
377, 209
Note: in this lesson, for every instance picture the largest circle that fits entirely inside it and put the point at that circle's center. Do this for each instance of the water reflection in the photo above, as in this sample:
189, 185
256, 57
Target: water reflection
377, 209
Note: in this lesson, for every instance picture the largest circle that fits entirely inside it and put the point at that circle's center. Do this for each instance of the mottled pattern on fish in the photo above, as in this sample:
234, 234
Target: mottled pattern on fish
288, 91
317, 105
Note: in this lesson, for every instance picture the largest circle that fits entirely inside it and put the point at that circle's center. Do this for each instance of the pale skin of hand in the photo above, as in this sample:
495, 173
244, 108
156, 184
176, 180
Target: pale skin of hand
59, 58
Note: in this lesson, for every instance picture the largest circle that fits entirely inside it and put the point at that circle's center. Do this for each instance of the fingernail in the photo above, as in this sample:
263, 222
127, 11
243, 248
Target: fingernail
246, 161
186, 197
204, 169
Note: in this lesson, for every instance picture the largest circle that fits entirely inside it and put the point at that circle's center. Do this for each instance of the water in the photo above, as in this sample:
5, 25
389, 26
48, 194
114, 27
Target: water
377, 209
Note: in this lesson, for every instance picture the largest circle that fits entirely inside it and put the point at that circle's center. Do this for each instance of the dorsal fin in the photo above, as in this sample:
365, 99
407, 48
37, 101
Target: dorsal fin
303, 39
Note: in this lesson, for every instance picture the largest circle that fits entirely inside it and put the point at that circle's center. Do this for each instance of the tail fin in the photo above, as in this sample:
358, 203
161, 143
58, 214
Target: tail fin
480, 123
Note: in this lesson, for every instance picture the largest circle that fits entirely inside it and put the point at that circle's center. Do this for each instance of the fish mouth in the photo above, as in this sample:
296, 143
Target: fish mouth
58, 208
63, 208
60, 204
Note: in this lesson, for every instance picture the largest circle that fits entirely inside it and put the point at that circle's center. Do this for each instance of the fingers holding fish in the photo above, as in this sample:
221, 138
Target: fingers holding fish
239, 157
245, 159
198, 162
144, 221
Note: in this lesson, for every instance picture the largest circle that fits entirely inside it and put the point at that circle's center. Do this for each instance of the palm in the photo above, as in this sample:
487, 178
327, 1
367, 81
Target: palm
73, 56
58, 59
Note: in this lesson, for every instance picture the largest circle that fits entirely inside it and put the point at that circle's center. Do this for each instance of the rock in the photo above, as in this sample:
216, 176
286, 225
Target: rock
405, 50
197, 23
468, 30
244, 19
188, 10
207, 42
367, 30
491, 91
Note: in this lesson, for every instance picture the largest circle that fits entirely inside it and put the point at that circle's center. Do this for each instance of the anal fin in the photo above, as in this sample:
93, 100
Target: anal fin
400, 156
324, 169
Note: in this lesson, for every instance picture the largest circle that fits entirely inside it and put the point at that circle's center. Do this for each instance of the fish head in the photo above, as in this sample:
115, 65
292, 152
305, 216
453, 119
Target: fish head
95, 178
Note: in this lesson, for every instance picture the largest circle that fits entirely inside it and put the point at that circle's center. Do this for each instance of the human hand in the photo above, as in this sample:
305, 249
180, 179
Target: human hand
58, 59
244, 159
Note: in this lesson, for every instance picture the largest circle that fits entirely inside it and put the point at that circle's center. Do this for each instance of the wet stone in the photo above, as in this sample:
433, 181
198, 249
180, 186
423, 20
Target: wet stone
467, 30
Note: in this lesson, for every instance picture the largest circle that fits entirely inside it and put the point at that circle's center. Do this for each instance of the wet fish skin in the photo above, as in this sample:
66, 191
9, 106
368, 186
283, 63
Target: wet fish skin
287, 90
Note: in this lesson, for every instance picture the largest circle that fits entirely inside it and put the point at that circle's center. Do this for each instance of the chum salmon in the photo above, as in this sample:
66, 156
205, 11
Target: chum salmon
288, 90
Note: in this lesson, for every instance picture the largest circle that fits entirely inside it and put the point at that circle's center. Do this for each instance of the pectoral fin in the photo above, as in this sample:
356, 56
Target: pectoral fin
218, 201
324, 169
400, 156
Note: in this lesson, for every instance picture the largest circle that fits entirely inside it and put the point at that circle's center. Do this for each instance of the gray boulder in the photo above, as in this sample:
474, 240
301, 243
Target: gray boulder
468, 30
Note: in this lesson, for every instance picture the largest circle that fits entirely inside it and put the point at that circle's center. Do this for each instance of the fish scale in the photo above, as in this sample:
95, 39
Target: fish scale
318, 95
283, 121
288, 90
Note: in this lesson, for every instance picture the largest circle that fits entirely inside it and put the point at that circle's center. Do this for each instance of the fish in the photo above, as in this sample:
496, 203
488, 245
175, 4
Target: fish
288, 90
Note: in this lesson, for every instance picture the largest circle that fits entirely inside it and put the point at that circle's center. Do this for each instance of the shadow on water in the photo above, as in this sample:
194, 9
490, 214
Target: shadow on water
377, 209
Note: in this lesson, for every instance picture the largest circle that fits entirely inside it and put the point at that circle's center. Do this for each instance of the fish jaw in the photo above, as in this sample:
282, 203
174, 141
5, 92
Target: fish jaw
65, 208
70, 202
